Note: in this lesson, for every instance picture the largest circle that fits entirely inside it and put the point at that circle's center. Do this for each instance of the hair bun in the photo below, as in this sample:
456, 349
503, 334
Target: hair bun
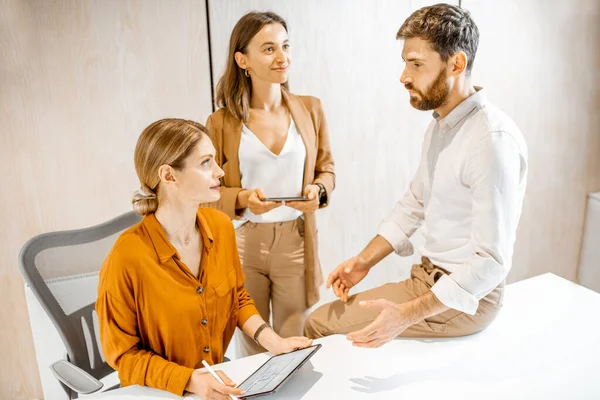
144, 201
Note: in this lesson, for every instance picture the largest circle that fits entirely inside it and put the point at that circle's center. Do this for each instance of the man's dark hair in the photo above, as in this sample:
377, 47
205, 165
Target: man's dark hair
448, 28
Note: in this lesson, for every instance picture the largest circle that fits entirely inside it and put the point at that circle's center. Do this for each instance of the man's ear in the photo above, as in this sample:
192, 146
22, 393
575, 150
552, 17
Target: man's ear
458, 63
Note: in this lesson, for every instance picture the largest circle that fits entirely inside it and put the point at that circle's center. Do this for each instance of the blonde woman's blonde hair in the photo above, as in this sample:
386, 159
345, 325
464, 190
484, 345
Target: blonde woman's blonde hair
166, 142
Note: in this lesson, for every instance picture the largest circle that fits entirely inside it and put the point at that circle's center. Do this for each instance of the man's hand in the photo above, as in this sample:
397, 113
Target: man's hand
346, 276
393, 319
353, 270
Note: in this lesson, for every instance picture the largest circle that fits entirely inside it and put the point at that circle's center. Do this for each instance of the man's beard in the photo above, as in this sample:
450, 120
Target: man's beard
436, 94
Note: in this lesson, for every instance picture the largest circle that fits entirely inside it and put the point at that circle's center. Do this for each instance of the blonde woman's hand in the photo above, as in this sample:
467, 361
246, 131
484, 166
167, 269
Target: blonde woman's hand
290, 344
208, 388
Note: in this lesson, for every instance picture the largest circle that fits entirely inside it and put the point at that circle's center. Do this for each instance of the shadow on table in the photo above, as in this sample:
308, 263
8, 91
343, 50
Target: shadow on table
372, 384
468, 367
299, 384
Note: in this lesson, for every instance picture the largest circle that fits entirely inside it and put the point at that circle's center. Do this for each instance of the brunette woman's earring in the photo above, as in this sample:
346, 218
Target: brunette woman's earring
246, 73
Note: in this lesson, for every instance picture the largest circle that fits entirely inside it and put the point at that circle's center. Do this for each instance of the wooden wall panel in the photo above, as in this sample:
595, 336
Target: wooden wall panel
79, 82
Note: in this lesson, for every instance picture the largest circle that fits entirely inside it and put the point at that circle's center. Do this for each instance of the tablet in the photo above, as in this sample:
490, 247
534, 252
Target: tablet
273, 373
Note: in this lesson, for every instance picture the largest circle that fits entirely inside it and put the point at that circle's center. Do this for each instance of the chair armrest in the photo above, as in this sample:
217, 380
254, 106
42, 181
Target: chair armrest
75, 378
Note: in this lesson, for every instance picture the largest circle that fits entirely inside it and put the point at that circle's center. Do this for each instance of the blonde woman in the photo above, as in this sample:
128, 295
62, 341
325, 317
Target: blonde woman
171, 291
271, 143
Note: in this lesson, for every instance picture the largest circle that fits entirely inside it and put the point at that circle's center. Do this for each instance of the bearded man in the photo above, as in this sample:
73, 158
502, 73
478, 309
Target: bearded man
466, 195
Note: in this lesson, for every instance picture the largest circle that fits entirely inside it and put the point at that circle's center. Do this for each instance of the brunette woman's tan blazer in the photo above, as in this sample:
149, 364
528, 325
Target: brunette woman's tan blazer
225, 132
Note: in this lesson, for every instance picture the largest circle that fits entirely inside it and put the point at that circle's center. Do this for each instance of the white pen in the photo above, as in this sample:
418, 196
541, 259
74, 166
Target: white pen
217, 377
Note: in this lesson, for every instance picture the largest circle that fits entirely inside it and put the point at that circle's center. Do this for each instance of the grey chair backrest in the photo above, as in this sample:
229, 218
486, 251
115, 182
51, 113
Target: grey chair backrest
62, 270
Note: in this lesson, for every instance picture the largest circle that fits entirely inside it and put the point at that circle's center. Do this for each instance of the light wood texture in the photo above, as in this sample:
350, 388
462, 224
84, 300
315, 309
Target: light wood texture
79, 82
539, 61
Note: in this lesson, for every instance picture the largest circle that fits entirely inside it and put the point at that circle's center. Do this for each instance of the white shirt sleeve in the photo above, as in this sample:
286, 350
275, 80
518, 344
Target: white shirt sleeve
407, 215
496, 173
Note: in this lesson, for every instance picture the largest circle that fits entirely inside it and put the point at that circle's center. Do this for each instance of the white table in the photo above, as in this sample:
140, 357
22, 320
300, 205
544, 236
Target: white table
545, 344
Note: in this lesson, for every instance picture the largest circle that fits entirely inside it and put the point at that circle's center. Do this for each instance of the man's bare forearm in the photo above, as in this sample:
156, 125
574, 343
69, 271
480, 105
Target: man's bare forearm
376, 250
422, 307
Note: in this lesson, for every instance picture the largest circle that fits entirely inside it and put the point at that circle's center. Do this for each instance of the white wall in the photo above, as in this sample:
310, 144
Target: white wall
540, 61
345, 52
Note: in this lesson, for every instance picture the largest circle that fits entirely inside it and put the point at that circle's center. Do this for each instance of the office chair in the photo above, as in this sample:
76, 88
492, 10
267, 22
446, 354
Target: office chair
62, 271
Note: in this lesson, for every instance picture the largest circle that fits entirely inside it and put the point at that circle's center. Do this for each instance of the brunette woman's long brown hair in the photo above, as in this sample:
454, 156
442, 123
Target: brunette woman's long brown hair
234, 89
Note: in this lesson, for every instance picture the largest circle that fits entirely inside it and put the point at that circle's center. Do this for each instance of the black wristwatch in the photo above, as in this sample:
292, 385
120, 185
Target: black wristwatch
322, 194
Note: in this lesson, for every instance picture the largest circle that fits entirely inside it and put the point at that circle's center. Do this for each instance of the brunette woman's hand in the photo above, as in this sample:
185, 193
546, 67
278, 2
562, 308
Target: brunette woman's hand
310, 205
254, 200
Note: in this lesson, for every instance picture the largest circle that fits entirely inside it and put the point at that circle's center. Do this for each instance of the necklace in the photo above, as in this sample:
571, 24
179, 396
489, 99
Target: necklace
186, 242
